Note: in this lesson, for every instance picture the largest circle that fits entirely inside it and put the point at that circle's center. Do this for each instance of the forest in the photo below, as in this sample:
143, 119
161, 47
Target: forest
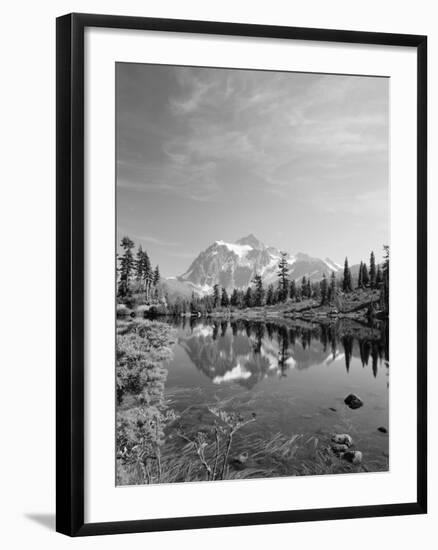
139, 287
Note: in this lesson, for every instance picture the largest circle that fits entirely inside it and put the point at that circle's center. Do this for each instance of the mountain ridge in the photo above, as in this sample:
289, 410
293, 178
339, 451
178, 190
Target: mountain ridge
234, 265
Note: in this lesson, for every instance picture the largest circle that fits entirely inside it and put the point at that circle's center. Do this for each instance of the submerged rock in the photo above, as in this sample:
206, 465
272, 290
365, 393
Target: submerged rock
382, 430
353, 401
343, 439
355, 457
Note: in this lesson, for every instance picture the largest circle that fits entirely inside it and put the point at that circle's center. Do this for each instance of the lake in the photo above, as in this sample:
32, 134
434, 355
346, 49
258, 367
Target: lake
293, 375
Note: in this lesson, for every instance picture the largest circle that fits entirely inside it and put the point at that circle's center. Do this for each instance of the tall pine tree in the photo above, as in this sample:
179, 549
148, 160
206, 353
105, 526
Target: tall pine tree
304, 287
324, 289
332, 288
270, 296
283, 272
373, 271
258, 290
359, 278
293, 290
216, 296
225, 301
346, 281
126, 268
248, 297
365, 276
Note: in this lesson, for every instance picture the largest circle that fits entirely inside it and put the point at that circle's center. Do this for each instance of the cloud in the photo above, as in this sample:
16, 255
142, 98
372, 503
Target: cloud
275, 130
154, 240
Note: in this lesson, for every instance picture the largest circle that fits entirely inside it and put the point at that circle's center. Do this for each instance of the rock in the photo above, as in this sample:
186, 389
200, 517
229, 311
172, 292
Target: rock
382, 429
343, 439
353, 401
355, 457
338, 449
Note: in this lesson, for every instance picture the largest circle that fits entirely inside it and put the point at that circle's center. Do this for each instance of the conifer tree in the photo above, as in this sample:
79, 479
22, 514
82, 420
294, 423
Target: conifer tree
309, 288
139, 264
146, 273
293, 290
359, 278
379, 277
365, 276
216, 296
304, 287
234, 300
346, 281
283, 272
373, 272
127, 265
258, 290
225, 301
384, 296
248, 297
156, 276
324, 289
332, 287
270, 296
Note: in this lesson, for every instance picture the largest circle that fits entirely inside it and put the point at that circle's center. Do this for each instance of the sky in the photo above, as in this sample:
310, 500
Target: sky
203, 154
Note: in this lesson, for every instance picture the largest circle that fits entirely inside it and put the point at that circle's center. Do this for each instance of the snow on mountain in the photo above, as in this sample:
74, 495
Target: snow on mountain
234, 265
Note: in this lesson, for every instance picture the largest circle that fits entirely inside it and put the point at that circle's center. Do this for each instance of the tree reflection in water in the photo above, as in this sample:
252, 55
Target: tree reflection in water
247, 351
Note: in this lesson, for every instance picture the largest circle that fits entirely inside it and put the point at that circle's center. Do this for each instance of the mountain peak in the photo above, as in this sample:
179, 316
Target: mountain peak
251, 240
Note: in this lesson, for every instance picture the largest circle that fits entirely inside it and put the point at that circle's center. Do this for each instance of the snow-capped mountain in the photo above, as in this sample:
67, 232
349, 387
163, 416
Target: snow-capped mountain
234, 265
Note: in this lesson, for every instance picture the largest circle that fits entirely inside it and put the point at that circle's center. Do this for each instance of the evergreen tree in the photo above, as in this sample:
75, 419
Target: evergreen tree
384, 295
225, 301
379, 277
234, 300
346, 281
194, 304
324, 289
248, 297
127, 266
304, 287
258, 290
309, 288
216, 296
365, 276
332, 288
373, 272
359, 278
147, 273
139, 264
156, 276
293, 290
270, 296
283, 272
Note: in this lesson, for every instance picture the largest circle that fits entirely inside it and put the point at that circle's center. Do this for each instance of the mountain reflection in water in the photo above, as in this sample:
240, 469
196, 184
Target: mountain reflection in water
246, 352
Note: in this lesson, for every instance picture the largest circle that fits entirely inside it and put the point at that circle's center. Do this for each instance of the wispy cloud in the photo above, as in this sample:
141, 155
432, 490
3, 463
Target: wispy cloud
155, 240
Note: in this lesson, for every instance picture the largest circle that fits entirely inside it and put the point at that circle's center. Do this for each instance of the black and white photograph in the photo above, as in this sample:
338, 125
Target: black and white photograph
252, 274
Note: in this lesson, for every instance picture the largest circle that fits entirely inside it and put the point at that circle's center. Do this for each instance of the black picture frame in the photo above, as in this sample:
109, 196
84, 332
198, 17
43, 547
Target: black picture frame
70, 273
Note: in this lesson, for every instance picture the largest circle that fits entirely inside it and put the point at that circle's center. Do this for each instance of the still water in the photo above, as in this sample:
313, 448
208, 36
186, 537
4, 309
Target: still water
293, 376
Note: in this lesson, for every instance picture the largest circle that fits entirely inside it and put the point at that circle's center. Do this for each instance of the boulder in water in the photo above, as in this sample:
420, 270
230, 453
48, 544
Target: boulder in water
355, 457
353, 401
343, 439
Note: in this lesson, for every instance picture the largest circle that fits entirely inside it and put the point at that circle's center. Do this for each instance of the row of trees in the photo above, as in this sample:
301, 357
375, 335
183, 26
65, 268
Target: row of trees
135, 274
324, 291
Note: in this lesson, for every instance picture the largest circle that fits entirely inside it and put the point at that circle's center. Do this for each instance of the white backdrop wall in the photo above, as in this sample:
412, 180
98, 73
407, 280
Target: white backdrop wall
27, 221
